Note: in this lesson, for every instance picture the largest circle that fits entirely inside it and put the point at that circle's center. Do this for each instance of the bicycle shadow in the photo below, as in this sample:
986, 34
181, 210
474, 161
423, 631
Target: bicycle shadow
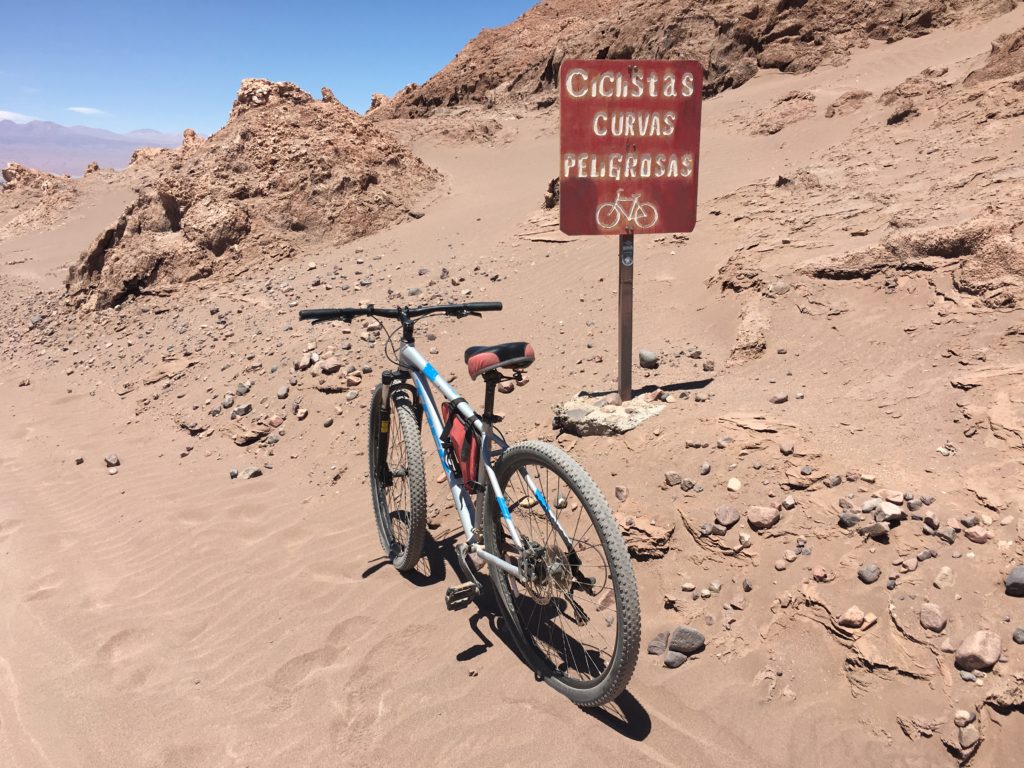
626, 715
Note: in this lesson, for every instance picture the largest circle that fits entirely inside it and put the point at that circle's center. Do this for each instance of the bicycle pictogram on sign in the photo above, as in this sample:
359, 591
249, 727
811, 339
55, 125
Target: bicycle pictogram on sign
628, 209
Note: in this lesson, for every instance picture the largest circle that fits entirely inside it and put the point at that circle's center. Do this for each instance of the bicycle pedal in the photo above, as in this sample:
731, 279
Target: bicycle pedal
460, 596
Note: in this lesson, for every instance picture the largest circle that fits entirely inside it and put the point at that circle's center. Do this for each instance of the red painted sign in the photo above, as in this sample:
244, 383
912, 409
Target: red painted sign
629, 146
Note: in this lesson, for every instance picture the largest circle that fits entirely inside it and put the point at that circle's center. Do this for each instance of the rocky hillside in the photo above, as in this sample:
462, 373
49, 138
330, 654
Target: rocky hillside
284, 167
733, 39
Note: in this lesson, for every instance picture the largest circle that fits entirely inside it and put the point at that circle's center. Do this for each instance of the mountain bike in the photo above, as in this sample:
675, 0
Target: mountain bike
556, 558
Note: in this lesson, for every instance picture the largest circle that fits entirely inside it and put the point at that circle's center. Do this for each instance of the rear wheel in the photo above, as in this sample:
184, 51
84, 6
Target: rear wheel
576, 615
397, 483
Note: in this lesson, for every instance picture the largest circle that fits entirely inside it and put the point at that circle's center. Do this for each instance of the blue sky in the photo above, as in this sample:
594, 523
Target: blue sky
175, 65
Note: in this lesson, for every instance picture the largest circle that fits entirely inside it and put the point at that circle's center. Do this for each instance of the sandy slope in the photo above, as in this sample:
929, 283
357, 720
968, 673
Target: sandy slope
170, 616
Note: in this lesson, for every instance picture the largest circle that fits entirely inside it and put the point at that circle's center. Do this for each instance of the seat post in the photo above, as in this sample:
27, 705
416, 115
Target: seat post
491, 382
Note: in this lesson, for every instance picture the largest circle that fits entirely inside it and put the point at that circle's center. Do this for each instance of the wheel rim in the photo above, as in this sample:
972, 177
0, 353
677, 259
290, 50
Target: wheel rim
395, 496
575, 630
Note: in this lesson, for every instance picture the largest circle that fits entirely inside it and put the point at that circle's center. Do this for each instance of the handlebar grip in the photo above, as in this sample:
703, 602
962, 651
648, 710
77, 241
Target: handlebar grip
322, 314
484, 306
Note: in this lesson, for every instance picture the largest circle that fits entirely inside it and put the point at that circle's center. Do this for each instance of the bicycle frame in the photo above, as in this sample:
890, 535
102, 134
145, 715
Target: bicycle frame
423, 374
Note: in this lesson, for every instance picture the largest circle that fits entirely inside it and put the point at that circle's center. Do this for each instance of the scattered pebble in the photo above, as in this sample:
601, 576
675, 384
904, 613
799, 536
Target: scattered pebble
853, 618
112, 460
659, 644
686, 640
932, 617
979, 651
944, 578
869, 573
674, 659
734, 484
1015, 582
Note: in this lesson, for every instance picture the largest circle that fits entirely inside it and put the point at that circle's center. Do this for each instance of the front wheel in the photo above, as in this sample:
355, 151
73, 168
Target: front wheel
575, 614
397, 482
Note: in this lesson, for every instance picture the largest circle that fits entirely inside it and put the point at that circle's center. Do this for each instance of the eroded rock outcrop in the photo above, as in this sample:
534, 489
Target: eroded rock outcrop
284, 164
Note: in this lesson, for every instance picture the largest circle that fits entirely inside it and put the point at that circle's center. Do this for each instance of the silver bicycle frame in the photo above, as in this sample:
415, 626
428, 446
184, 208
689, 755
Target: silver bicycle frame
423, 374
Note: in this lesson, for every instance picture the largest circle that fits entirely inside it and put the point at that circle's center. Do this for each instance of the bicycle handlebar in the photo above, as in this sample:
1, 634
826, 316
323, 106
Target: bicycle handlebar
348, 313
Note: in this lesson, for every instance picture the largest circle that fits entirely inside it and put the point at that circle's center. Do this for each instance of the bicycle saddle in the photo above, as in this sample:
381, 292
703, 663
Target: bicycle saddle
512, 354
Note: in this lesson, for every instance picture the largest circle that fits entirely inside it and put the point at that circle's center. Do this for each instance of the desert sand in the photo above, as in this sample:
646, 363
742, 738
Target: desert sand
858, 249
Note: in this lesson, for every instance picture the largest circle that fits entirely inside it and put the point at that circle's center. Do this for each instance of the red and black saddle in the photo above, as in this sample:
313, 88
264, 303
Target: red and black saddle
512, 354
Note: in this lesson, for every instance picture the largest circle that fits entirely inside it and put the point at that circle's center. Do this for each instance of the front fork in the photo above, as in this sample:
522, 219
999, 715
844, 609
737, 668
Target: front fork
387, 380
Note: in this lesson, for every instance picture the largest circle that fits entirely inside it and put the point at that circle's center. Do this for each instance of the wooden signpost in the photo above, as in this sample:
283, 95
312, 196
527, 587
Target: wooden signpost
630, 140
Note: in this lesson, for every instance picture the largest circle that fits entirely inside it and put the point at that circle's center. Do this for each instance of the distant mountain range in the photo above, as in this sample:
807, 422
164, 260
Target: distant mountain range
57, 148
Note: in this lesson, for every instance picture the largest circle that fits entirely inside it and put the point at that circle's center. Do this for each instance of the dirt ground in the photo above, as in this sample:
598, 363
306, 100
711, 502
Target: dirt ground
868, 269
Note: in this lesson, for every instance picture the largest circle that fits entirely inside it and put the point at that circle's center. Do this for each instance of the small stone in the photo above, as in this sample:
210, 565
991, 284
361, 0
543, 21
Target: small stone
686, 640
659, 644
648, 359
926, 554
734, 484
250, 472
1014, 582
24, 382
243, 389
79, 460
831, 481
786, 449
228, 401
232, 473
790, 556
869, 574
1018, 635
621, 492
932, 617
967, 677
111, 470
849, 519
328, 421
868, 478
780, 565
979, 651
853, 618
944, 578
946, 534
778, 398
715, 587
887, 512
673, 478
674, 659
819, 574
979, 535
282, 393
242, 410
727, 515
869, 620
705, 468
789, 502
876, 530
759, 518
330, 366
688, 586
112, 461
969, 737
962, 718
